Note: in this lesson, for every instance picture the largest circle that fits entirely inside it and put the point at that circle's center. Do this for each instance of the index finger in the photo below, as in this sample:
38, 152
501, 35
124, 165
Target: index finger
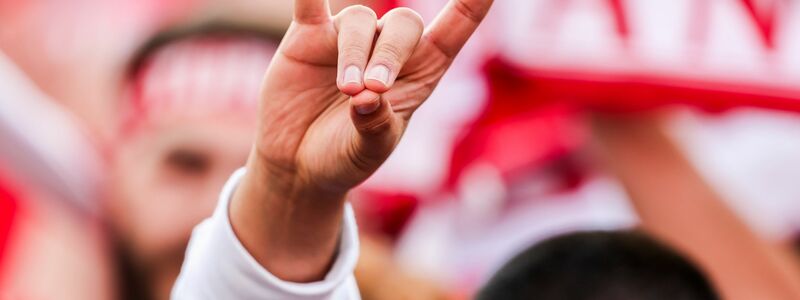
455, 24
311, 11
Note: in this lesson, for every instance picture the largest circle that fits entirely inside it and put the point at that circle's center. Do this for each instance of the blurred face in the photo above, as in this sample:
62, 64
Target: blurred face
168, 176
192, 127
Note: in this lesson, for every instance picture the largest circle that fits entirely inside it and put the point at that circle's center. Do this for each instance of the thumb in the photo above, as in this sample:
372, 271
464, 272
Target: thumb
377, 128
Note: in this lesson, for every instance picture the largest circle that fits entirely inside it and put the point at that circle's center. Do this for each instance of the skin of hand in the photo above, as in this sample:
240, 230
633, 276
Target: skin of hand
676, 205
335, 102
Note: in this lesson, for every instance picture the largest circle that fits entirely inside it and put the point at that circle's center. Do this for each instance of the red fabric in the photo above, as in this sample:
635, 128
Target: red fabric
518, 132
385, 212
585, 89
764, 19
383, 6
533, 116
9, 196
633, 72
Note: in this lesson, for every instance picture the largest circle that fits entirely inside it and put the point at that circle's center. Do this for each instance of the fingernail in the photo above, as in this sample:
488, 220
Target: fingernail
352, 74
368, 108
379, 73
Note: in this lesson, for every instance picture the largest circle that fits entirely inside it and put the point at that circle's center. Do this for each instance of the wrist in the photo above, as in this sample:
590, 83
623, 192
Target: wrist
287, 181
290, 229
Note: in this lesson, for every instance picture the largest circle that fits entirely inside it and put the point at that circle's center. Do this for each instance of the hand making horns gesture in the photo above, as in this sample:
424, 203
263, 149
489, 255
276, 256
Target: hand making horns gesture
335, 102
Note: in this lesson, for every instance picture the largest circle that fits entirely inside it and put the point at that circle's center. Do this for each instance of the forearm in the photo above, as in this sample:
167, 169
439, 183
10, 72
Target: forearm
676, 205
292, 232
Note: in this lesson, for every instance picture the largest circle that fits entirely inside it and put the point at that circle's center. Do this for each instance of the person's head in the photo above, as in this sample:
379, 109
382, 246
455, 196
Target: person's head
192, 98
615, 265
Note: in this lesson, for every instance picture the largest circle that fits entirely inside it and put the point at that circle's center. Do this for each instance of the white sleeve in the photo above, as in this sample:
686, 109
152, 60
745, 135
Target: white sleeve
217, 266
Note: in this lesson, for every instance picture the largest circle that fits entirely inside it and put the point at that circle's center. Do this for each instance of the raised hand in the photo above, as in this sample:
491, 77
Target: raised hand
341, 89
335, 102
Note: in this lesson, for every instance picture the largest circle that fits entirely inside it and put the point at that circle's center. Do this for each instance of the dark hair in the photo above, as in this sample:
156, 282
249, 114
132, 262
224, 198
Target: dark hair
170, 36
615, 265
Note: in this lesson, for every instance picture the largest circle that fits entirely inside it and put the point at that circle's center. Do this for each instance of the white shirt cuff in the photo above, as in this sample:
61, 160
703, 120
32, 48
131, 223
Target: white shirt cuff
217, 266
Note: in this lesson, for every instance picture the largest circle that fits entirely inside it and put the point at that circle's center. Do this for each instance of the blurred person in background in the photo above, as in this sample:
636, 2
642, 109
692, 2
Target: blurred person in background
191, 112
676, 205
677, 208
611, 265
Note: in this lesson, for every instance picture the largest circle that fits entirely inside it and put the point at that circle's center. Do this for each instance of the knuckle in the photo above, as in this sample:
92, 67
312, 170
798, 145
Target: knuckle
353, 53
389, 53
471, 12
377, 126
359, 11
406, 14
359, 161
365, 157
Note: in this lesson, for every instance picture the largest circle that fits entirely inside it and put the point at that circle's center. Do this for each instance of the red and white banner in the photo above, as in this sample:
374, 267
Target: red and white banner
714, 54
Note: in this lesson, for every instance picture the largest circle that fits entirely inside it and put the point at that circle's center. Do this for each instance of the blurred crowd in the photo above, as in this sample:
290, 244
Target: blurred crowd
120, 121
